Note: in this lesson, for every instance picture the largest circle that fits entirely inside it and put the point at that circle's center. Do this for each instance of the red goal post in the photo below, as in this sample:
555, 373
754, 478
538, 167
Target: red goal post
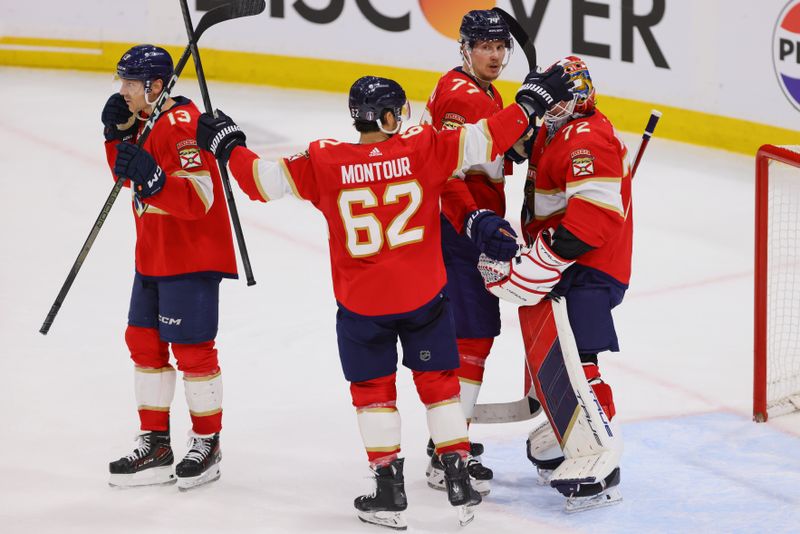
776, 373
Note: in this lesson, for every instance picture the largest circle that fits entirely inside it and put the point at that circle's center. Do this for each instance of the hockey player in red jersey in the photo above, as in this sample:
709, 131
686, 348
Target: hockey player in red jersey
380, 198
463, 95
183, 250
579, 225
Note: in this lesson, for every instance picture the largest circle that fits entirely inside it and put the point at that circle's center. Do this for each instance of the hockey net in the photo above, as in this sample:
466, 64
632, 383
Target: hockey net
777, 282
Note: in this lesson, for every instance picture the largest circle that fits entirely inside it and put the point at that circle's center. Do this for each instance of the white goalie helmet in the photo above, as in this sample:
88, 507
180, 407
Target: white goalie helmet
523, 280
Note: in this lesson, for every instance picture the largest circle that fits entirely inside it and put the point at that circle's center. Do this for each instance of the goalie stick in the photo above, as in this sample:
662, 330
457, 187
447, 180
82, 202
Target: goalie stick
529, 407
648, 133
235, 9
252, 7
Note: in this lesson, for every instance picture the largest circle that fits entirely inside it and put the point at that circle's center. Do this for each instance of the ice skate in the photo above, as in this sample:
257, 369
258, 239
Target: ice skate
480, 474
581, 497
201, 464
149, 464
460, 492
385, 506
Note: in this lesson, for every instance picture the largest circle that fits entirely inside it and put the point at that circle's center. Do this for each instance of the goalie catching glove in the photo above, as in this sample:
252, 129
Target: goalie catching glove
529, 276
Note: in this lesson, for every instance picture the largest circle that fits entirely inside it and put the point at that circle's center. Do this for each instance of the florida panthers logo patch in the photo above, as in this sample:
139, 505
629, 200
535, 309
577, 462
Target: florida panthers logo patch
452, 121
189, 154
582, 163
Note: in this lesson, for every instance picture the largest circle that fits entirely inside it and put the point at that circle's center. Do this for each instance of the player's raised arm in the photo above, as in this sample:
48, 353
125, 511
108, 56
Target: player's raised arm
488, 138
261, 180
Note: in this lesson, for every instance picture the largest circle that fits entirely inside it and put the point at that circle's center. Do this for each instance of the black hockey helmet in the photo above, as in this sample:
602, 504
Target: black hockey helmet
371, 95
484, 25
145, 62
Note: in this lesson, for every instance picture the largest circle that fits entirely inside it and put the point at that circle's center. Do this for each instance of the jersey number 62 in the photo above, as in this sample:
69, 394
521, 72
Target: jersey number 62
365, 234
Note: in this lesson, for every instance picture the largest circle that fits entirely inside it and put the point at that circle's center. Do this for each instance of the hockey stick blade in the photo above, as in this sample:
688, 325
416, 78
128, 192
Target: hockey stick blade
520, 35
234, 10
507, 412
242, 8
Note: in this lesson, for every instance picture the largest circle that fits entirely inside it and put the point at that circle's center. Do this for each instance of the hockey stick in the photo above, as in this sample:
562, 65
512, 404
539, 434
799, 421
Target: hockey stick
253, 7
520, 35
529, 407
215, 16
526, 408
648, 133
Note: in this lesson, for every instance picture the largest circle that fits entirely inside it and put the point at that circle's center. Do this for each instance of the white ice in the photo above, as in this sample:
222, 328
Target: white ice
293, 460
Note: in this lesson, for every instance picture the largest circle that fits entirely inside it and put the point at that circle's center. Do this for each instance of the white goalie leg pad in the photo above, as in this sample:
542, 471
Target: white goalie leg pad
154, 388
592, 445
380, 428
469, 397
446, 422
203, 394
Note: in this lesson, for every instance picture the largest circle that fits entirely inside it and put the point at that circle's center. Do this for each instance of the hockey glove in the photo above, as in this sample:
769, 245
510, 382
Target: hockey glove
492, 234
219, 135
139, 167
521, 150
527, 278
542, 90
118, 120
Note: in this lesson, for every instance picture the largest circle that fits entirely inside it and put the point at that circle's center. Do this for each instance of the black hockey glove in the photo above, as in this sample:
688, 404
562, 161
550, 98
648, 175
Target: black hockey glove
118, 120
492, 234
139, 167
219, 135
542, 90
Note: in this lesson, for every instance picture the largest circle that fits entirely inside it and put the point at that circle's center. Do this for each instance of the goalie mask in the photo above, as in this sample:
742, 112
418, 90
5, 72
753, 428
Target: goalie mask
583, 100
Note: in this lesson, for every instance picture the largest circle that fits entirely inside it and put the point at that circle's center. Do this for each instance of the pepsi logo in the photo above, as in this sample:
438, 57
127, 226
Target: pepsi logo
786, 52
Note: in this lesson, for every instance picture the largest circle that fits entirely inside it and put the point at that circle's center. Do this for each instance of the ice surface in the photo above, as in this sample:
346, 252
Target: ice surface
293, 459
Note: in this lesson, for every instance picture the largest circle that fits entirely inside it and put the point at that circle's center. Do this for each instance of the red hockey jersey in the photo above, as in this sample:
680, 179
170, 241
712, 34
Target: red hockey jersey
182, 229
582, 180
381, 203
456, 100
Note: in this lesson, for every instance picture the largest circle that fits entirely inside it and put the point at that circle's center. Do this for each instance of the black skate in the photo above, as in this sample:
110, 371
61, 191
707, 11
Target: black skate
480, 474
201, 464
386, 504
460, 492
149, 464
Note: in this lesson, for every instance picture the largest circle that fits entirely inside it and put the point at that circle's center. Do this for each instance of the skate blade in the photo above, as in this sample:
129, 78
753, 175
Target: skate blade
155, 476
608, 497
393, 520
466, 514
188, 483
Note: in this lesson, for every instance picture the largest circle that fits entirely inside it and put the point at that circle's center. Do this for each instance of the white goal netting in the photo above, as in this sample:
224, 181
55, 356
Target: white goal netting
783, 286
